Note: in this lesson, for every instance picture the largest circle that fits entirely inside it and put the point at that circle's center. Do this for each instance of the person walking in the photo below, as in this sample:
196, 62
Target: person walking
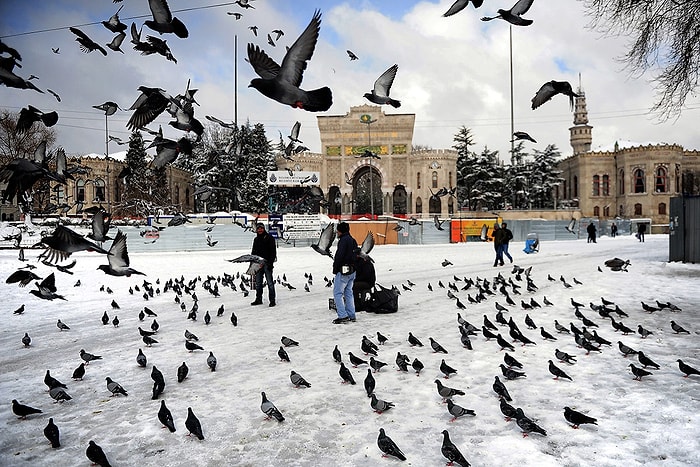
641, 230
344, 270
498, 235
264, 246
365, 277
613, 230
591, 232
507, 237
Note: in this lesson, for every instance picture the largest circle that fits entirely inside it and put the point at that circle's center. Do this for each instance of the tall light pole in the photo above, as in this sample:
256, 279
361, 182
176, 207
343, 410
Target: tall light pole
109, 108
367, 120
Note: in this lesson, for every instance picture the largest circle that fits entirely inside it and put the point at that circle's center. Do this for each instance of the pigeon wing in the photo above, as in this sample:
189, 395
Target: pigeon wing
367, 244
247, 259
456, 7
521, 7
294, 62
384, 82
160, 11
118, 256
294, 135
545, 93
327, 236
263, 65
79, 33
49, 283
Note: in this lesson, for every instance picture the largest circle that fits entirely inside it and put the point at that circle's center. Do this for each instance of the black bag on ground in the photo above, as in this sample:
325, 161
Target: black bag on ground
383, 300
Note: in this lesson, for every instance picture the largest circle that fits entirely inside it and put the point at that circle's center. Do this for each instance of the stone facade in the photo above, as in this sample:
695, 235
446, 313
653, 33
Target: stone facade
627, 181
406, 177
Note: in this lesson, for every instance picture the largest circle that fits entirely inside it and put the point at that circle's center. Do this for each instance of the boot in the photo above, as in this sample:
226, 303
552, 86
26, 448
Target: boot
258, 301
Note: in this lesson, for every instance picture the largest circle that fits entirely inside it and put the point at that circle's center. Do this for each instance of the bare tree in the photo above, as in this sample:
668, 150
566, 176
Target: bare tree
665, 38
14, 145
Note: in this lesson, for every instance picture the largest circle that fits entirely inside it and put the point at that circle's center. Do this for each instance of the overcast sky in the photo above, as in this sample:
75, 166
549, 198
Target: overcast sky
452, 71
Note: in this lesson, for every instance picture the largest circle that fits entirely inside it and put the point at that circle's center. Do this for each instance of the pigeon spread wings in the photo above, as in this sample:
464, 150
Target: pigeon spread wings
300, 52
384, 82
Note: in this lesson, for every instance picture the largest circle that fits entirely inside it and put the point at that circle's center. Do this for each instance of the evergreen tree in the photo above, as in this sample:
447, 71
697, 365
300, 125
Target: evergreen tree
465, 165
544, 177
136, 182
486, 181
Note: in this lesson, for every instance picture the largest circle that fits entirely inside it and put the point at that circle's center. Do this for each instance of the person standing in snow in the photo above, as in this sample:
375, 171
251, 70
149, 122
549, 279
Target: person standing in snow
264, 245
591, 232
507, 237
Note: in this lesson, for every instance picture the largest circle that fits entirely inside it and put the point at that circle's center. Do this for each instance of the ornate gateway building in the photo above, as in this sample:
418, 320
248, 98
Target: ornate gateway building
368, 166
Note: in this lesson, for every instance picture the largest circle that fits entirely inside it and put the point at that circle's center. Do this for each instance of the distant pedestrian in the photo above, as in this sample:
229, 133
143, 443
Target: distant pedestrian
344, 270
591, 232
641, 230
498, 235
613, 230
507, 237
264, 245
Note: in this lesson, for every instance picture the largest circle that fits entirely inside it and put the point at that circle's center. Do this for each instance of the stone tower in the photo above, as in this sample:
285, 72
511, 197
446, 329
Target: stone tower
581, 133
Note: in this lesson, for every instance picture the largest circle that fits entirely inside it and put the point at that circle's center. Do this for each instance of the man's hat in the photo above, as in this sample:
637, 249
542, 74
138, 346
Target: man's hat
260, 225
343, 227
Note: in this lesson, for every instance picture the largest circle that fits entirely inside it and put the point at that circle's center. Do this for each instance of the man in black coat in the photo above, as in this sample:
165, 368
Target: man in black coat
264, 245
591, 232
344, 270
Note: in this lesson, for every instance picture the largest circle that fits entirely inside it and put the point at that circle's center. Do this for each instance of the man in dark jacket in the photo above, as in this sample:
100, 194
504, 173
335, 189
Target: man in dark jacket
344, 270
591, 232
498, 238
507, 237
264, 245
365, 278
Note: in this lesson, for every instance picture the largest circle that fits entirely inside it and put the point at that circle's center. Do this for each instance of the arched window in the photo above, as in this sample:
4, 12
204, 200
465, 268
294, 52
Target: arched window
661, 180
419, 206
80, 190
99, 185
435, 180
596, 211
662, 209
187, 197
606, 210
639, 181
564, 192
449, 176
400, 200
596, 185
621, 181
450, 206
418, 180
575, 187
638, 209
606, 185
117, 193
622, 210
177, 194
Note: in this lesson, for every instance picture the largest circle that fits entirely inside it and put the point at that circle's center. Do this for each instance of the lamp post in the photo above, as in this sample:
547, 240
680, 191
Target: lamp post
109, 108
367, 120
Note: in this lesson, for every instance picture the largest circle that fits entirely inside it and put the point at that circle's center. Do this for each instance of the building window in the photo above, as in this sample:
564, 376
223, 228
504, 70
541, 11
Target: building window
60, 194
419, 206
99, 191
187, 197
566, 195
80, 190
575, 187
638, 209
621, 182
450, 180
177, 194
596, 211
639, 181
606, 185
435, 180
606, 210
596, 185
622, 211
661, 180
450, 206
418, 180
662, 209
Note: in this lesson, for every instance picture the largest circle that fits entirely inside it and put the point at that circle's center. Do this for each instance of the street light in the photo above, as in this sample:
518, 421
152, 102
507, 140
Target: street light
109, 108
367, 120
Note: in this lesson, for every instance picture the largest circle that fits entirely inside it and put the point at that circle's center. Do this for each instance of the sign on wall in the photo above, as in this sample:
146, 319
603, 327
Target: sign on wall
291, 178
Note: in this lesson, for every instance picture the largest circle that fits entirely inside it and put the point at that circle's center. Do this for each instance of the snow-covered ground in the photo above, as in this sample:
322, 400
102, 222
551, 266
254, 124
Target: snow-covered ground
649, 422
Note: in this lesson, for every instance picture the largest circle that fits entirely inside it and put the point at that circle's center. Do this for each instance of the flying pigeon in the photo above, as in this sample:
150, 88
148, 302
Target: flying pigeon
325, 240
388, 447
269, 409
281, 82
30, 114
116, 43
513, 16
21, 276
63, 242
118, 258
87, 45
194, 427
52, 434
165, 417
163, 21
551, 89
46, 290
95, 453
382, 86
352, 55
521, 135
